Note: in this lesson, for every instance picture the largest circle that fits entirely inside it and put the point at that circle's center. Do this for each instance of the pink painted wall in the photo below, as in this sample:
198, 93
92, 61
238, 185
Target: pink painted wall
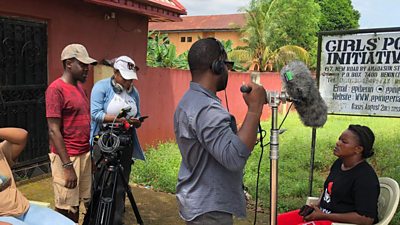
161, 90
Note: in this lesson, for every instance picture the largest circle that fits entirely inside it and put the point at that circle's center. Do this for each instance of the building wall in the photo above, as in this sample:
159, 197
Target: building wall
161, 90
234, 36
184, 45
75, 21
181, 47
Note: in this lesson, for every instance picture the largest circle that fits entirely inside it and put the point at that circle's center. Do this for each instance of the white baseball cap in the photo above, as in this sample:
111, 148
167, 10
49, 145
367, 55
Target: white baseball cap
127, 67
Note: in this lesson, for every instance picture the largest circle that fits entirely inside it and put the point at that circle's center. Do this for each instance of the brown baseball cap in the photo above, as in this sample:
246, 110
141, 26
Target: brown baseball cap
78, 52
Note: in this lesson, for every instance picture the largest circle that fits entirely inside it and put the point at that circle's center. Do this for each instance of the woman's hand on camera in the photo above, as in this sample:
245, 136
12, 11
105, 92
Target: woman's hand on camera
135, 122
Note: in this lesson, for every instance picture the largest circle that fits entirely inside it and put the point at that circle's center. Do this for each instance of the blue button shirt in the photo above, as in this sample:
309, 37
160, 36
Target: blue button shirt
213, 157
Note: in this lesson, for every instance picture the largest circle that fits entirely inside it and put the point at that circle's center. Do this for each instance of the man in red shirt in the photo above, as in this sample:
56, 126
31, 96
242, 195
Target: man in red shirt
68, 118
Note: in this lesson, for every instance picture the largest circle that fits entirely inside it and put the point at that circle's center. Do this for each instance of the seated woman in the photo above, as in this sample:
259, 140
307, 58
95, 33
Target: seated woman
351, 190
14, 207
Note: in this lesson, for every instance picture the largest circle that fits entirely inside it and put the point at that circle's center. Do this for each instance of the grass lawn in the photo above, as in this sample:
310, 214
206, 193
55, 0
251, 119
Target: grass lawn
162, 165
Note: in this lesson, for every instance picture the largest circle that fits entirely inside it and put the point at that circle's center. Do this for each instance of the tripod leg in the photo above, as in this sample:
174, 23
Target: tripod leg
96, 195
130, 196
105, 214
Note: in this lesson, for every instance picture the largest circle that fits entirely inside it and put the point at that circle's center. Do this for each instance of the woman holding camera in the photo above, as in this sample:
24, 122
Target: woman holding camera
352, 188
116, 100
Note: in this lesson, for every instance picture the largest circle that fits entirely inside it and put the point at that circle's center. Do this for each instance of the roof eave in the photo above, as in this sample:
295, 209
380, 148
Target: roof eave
154, 13
197, 30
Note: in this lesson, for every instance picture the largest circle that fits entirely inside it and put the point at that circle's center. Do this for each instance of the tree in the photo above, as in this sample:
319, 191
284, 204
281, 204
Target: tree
272, 25
338, 15
161, 53
254, 32
288, 53
238, 65
294, 22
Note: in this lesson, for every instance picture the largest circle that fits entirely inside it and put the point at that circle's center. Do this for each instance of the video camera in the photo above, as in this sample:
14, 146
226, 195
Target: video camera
115, 136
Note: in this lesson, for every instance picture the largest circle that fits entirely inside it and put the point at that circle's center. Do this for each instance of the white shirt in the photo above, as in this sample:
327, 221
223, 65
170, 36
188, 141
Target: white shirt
121, 101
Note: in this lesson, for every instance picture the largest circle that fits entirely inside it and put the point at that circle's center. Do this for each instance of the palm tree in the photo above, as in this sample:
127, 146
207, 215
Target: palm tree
253, 32
258, 50
287, 53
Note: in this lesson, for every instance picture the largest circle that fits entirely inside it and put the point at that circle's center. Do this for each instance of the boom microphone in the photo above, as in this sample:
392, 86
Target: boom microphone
301, 87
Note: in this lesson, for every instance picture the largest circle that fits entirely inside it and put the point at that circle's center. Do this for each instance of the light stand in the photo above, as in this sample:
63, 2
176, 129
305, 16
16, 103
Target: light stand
274, 99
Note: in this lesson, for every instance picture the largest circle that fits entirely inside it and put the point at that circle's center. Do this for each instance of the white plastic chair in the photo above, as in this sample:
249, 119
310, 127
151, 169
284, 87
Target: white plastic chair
42, 204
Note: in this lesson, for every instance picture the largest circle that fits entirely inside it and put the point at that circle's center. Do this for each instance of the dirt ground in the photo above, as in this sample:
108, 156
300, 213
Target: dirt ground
155, 208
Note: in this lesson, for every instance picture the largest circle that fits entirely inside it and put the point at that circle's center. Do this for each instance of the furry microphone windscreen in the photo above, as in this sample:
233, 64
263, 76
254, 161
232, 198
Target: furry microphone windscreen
302, 89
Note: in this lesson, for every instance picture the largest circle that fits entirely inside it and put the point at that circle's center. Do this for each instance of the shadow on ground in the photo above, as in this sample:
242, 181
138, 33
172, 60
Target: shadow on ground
156, 208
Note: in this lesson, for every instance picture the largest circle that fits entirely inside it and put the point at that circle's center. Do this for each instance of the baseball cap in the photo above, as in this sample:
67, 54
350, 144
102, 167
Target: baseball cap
78, 52
127, 67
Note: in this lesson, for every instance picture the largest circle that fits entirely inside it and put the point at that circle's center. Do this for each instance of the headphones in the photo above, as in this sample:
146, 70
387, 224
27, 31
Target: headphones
218, 65
117, 88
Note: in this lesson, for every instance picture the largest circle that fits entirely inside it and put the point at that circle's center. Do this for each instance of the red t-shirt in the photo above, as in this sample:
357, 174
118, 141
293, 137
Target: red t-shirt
71, 105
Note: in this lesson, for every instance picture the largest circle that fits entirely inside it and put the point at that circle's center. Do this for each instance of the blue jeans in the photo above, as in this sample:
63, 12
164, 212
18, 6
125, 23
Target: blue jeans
37, 215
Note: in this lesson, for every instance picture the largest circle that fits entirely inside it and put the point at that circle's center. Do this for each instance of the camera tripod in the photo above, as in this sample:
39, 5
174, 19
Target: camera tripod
102, 205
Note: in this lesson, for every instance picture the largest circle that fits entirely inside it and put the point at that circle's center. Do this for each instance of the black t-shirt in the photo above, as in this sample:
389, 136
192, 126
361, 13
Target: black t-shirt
354, 190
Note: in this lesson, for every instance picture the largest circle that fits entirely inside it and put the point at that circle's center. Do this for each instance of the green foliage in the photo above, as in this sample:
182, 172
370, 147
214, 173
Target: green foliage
160, 170
287, 53
294, 22
162, 165
255, 32
338, 15
241, 58
273, 25
161, 53
237, 66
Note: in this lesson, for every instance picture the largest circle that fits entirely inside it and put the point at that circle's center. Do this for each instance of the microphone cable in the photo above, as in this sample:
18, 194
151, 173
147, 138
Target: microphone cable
226, 100
263, 133
108, 142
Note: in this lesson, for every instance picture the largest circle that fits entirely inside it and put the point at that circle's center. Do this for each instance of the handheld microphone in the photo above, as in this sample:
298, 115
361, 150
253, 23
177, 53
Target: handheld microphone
300, 85
245, 89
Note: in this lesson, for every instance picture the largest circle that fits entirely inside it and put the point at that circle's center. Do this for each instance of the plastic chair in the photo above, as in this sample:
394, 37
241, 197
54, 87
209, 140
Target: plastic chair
387, 202
42, 204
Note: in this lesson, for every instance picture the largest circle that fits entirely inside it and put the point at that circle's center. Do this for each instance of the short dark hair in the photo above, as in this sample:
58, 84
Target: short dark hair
64, 63
366, 138
203, 53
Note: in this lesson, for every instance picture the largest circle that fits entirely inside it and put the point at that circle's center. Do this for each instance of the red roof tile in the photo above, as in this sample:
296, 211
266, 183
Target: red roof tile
211, 22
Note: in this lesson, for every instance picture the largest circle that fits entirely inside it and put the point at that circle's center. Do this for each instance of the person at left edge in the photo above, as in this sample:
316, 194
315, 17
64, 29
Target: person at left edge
68, 118
15, 208
108, 97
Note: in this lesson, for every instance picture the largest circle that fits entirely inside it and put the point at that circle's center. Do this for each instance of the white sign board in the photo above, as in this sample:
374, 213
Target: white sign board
360, 73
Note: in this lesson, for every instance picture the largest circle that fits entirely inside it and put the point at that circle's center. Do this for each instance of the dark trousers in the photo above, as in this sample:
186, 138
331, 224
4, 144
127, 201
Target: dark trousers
125, 159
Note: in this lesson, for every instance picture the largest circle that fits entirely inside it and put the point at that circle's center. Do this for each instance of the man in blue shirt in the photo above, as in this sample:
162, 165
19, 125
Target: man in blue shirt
214, 153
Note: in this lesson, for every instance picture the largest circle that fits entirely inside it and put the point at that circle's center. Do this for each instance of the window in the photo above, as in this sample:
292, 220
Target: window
189, 39
183, 39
